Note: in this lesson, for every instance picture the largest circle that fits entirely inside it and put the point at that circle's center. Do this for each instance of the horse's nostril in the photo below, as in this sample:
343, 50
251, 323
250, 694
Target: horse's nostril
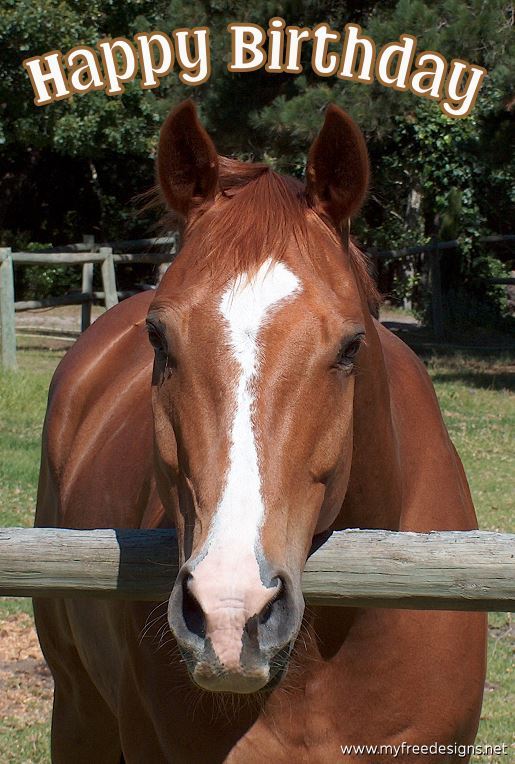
267, 611
191, 610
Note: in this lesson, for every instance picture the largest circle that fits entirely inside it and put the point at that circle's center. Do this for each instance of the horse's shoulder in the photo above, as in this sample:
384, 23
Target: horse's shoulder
412, 395
424, 445
114, 345
406, 372
101, 388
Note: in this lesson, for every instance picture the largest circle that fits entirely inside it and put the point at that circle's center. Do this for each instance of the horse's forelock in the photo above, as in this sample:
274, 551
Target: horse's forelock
254, 217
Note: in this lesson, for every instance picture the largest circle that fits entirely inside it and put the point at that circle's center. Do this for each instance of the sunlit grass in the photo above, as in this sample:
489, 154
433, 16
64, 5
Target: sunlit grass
477, 401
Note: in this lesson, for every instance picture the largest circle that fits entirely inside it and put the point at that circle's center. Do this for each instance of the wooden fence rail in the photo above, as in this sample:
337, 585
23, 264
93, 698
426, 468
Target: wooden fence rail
72, 298
81, 258
473, 570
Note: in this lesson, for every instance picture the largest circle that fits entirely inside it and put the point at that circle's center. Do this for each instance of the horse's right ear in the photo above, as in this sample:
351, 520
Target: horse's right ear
187, 162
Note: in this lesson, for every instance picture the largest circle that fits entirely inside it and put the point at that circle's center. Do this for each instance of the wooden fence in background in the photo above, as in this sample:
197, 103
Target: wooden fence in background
458, 570
86, 254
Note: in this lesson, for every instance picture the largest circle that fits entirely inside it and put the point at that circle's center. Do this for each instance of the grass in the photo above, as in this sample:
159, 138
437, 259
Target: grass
474, 393
476, 397
24, 744
23, 396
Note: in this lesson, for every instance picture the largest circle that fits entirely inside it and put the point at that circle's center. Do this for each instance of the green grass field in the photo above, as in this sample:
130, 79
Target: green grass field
474, 393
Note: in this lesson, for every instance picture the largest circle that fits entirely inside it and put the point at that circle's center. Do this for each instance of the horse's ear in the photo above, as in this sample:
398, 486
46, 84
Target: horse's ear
337, 170
187, 162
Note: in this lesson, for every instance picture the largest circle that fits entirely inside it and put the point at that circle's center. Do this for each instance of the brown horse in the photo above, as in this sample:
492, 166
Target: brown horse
271, 408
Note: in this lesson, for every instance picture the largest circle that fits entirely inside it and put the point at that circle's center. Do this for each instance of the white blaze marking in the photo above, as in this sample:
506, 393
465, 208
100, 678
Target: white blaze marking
227, 581
246, 306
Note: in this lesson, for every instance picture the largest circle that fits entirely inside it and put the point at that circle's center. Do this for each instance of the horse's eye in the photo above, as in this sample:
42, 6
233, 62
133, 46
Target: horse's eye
349, 352
156, 338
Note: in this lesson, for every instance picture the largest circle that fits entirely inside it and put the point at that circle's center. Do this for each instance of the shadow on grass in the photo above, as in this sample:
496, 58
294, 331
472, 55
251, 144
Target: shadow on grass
482, 361
478, 379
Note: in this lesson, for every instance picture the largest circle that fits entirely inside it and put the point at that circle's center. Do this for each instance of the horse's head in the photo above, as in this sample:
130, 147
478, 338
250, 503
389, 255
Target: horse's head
256, 327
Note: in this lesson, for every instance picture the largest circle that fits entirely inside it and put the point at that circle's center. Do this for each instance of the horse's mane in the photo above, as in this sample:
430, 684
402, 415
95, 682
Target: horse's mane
255, 216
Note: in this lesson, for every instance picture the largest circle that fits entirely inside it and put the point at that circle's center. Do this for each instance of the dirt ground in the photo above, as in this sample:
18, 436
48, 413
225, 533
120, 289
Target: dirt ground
26, 684
65, 320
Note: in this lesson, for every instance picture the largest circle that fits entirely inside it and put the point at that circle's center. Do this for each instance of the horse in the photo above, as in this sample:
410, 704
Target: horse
253, 402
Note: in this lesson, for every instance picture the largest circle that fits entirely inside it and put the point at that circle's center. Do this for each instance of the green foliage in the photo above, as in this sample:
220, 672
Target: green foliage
37, 282
72, 167
448, 164
75, 166
462, 170
475, 296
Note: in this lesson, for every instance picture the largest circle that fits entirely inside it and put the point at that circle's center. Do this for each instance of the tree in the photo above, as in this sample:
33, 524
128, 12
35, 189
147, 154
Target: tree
75, 166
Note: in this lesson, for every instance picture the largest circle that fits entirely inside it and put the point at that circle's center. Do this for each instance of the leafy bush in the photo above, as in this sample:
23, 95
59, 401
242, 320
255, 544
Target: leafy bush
35, 282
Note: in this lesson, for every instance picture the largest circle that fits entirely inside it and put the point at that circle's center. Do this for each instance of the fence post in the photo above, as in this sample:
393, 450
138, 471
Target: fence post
409, 272
89, 240
87, 288
109, 277
436, 290
7, 314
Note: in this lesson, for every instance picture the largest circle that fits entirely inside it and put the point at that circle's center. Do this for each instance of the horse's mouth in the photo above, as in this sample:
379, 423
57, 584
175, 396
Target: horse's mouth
223, 682
279, 667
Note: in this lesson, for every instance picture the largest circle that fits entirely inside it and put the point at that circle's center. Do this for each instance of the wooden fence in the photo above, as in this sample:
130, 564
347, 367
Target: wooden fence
87, 255
460, 570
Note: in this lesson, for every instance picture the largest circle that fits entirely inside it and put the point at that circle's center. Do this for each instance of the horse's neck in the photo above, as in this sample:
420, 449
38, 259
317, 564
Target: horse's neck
374, 494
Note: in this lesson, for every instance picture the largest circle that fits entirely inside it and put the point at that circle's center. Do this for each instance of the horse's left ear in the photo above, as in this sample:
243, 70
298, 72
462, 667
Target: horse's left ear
337, 171
187, 162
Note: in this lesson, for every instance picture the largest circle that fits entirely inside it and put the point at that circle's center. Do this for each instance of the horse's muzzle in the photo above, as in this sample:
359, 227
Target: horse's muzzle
238, 643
